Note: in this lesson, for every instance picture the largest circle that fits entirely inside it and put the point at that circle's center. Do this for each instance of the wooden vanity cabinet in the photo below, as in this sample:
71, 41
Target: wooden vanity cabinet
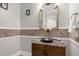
47, 50
37, 49
54, 51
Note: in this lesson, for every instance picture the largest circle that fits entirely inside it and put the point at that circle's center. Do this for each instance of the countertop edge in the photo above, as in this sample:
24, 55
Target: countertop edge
36, 37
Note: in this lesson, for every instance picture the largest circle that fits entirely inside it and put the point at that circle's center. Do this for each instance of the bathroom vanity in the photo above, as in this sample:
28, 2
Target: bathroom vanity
56, 48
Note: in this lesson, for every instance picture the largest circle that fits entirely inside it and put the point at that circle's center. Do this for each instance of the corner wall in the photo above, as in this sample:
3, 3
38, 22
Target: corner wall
9, 23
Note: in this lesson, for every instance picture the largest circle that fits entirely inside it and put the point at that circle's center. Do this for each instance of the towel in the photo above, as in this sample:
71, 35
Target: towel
71, 23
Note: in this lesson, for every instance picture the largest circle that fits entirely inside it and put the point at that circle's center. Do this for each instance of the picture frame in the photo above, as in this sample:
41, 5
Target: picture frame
4, 6
28, 12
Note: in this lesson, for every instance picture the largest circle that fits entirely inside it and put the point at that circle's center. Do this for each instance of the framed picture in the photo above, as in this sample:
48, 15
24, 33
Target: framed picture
4, 6
28, 12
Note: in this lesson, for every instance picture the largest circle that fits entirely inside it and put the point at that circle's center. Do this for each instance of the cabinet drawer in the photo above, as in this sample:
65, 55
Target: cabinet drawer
37, 46
55, 51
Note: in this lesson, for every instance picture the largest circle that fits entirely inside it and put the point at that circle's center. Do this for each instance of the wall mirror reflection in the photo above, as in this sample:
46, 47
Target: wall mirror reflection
49, 16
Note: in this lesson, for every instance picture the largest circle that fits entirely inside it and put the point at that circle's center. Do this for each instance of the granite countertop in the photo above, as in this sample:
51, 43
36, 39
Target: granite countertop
59, 43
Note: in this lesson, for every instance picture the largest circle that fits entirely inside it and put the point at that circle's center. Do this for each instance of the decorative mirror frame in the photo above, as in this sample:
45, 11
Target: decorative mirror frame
57, 21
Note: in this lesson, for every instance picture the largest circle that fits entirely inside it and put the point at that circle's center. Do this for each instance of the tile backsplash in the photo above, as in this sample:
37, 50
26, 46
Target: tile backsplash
55, 33
73, 34
9, 32
14, 32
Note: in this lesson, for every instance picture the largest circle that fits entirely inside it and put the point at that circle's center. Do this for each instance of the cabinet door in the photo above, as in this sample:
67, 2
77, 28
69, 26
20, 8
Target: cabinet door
55, 51
37, 49
37, 53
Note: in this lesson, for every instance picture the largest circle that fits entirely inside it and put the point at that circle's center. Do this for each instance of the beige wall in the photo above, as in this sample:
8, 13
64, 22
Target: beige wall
32, 21
63, 15
15, 16
10, 18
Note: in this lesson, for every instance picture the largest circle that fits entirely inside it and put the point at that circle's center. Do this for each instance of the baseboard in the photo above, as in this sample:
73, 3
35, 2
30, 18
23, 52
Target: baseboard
23, 53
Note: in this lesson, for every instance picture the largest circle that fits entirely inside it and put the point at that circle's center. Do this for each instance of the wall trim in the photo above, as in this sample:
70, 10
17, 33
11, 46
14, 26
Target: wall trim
30, 28
8, 28
17, 28
4, 38
63, 27
22, 53
67, 27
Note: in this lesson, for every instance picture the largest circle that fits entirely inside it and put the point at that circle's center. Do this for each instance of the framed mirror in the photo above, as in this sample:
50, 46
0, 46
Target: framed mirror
49, 16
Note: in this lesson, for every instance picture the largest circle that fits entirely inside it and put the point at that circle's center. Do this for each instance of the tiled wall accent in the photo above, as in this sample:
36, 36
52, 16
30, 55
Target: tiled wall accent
77, 39
54, 33
9, 32
14, 32
73, 34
